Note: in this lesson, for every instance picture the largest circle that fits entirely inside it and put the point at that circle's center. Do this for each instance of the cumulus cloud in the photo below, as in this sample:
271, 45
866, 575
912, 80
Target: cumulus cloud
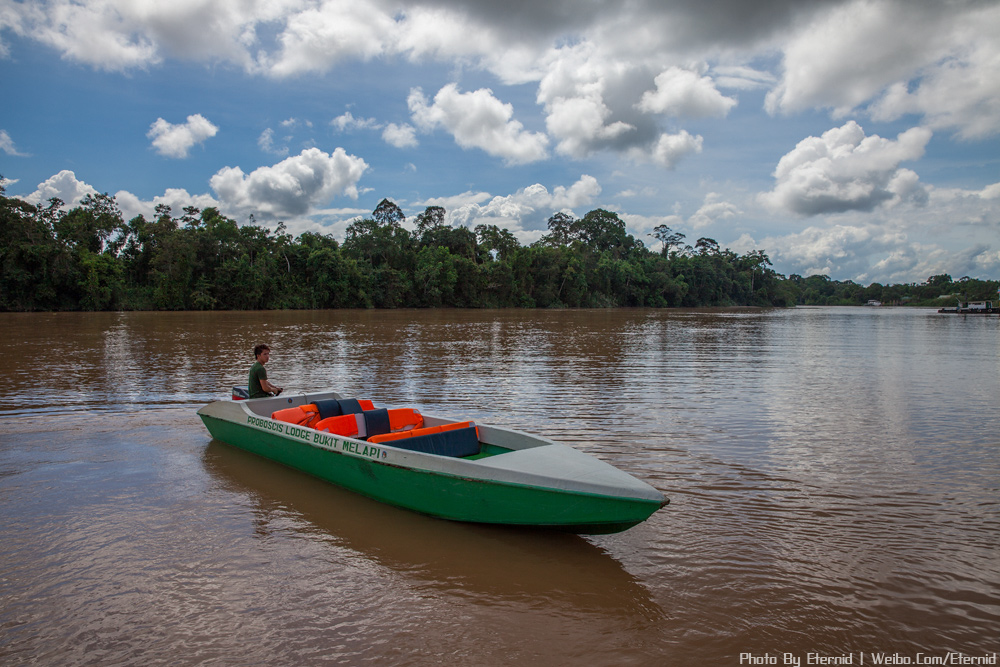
400, 136
122, 35
68, 188
931, 58
939, 60
844, 170
346, 122
176, 140
64, 186
478, 120
847, 55
176, 198
960, 93
713, 209
669, 149
526, 211
899, 244
291, 187
680, 92
317, 37
579, 92
7, 145
594, 104
866, 253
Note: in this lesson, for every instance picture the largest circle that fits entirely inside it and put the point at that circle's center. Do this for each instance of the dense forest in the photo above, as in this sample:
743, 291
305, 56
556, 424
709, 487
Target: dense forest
89, 258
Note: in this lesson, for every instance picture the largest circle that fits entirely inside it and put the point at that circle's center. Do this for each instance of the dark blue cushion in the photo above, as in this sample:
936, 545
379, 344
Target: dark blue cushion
328, 408
377, 422
457, 442
350, 406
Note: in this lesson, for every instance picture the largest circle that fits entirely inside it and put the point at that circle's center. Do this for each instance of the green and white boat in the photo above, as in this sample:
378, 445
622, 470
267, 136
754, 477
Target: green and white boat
437, 466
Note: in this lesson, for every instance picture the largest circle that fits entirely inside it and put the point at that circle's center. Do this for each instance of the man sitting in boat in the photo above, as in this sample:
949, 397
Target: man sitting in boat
259, 386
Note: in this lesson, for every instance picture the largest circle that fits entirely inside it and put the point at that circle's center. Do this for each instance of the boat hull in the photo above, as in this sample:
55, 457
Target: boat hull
493, 490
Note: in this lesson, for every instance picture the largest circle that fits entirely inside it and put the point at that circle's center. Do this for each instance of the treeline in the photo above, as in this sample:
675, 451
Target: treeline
939, 290
89, 258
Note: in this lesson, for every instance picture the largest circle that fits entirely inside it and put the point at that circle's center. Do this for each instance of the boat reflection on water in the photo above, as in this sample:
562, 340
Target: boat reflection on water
495, 563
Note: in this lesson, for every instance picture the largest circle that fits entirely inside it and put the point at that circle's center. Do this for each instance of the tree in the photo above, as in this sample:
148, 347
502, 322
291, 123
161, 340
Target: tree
707, 246
668, 237
562, 230
939, 280
497, 241
432, 218
387, 213
602, 230
91, 224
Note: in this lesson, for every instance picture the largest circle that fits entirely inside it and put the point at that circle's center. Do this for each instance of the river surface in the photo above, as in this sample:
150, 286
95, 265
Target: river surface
834, 477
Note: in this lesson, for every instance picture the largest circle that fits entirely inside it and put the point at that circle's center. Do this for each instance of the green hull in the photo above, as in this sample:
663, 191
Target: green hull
458, 490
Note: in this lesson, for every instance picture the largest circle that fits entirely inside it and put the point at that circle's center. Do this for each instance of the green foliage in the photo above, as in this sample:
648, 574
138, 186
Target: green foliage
90, 259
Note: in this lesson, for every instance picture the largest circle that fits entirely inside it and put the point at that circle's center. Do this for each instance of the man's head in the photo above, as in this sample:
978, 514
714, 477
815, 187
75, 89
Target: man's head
261, 353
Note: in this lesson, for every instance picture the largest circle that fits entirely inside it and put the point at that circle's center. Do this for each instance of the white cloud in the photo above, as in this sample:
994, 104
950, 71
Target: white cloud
905, 243
593, 104
346, 122
292, 187
940, 60
936, 59
176, 198
642, 226
991, 191
868, 253
961, 93
526, 211
669, 149
176, 140
7, 145
846, 55
713, 209
844, 170
317, 37
122, 34
478, 120
742, 77
683, 93
400, 136
266, 143
574, 92
67, 187
64, 186
453, 202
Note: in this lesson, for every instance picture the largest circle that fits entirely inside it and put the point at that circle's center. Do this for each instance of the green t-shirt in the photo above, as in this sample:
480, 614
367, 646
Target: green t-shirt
257, 373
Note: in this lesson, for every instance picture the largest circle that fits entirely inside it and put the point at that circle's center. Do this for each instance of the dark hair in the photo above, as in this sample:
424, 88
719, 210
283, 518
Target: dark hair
260, 348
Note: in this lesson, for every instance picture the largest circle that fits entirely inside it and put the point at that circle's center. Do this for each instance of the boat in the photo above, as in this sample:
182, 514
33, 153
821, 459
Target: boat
972, 308
447, 468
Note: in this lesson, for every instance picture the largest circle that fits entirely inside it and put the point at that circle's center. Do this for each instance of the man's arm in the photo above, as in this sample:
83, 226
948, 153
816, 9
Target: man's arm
268, 387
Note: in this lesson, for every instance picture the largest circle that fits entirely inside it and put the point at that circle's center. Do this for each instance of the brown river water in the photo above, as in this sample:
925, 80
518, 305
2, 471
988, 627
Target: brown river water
834, 476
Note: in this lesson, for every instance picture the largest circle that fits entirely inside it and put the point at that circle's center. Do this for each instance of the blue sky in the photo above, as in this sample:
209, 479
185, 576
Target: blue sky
859, 139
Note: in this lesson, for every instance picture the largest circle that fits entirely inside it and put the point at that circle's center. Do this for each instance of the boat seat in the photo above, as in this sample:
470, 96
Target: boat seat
417, 432
344, 406
302, 415
370, 423
449, 442
311, 414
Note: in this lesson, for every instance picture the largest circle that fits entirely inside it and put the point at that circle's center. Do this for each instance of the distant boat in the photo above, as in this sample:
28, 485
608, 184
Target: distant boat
973, 308
873, 302
441, 467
